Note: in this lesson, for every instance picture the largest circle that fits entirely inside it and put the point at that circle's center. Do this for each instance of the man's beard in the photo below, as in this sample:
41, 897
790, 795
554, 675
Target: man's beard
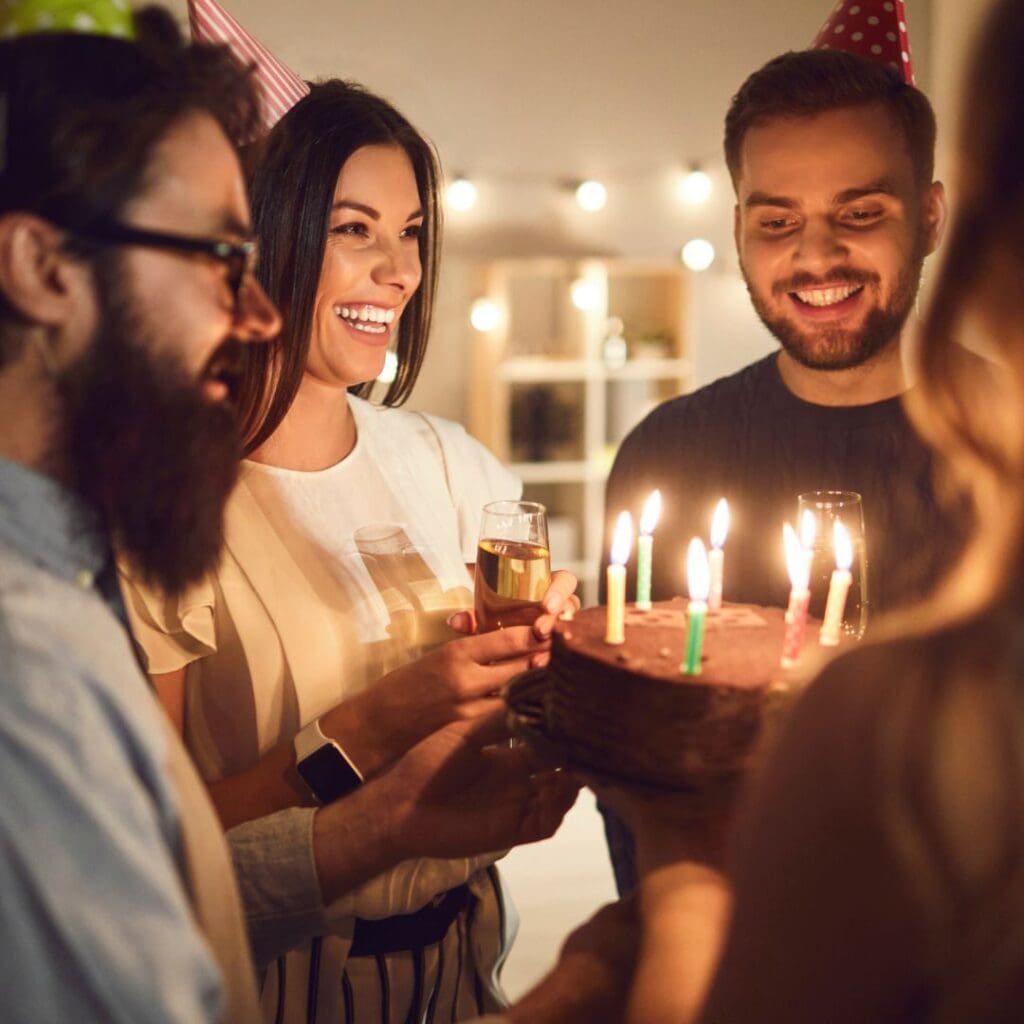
152, 459
840, 348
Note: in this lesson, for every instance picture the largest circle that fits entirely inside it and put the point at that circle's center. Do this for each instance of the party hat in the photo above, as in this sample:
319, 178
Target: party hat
876, 29
87, 17
280, 86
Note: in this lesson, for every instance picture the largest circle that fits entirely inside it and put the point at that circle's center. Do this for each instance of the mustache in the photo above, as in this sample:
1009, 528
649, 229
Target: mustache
838, 275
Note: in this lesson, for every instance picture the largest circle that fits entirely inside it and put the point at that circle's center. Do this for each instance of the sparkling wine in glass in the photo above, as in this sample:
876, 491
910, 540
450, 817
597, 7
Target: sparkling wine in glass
827, 507
513, 564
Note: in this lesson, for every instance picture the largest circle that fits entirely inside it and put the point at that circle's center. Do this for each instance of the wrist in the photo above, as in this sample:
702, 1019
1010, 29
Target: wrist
354, 840
353, 725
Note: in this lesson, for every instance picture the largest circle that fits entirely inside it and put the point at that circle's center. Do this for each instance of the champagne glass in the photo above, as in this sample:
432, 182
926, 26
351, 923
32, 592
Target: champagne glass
846, 507
513, 564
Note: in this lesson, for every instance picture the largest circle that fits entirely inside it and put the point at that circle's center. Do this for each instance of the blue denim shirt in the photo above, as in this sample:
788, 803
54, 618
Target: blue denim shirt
94, 913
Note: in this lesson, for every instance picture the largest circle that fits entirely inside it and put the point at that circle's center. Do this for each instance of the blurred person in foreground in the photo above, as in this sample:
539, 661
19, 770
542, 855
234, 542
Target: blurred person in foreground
126, 296
876, 865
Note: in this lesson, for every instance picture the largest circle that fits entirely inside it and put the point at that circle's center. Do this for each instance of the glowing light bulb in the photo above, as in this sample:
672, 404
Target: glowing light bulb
698, 254
695, 187
461, 195
484, 315
586, 296
591, 196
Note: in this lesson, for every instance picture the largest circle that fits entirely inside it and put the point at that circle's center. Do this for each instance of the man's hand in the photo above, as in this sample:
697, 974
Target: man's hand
464, 791
452, 795
459, 680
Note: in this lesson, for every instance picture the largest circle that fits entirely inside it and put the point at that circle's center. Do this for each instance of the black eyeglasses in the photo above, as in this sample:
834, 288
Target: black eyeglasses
239, 258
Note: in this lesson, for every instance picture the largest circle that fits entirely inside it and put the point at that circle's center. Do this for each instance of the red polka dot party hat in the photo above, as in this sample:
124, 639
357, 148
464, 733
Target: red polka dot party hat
876, 29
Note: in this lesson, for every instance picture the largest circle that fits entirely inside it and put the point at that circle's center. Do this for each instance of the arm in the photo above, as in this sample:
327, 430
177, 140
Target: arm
455, 794
458, 680
97, 921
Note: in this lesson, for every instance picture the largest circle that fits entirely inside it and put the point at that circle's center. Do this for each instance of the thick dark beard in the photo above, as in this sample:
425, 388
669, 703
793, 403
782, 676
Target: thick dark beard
836, 348
149, 456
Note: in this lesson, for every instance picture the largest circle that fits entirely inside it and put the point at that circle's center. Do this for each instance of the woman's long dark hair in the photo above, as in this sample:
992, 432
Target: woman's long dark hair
292, 187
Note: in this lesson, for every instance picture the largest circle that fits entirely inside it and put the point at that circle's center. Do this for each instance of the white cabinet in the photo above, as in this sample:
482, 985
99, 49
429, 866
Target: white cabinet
581, 351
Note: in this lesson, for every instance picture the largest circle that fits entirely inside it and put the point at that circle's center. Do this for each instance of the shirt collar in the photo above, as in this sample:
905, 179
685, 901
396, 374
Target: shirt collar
44, 521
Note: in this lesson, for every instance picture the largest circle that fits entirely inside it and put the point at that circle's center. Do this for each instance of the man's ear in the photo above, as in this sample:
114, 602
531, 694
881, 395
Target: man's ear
736, 227
37, 278
934, 213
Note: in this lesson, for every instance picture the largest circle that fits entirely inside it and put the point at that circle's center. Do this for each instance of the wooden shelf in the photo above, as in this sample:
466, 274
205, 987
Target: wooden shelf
544, 359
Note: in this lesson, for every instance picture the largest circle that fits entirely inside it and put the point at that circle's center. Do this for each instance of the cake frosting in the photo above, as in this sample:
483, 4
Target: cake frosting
627, 710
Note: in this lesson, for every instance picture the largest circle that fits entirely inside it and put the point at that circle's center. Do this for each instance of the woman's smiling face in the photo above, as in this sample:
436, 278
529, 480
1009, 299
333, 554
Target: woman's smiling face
371, 266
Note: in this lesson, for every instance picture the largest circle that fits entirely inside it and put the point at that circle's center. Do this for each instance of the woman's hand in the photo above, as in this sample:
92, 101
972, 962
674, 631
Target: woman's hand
461, 679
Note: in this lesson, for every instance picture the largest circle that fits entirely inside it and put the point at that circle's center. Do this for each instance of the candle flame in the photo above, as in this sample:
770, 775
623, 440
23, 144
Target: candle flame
797, 562
698, 575
720, 524
808, 529
843, 546
651, 513
622, 540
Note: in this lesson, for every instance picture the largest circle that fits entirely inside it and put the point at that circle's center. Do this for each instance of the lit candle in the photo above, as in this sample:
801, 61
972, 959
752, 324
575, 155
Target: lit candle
716, 556
622, 541
838, 588
698, 578
644, 547
798, 565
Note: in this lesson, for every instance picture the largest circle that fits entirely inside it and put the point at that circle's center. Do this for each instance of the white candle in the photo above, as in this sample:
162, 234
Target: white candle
644, 550
716, 556
838, 587
622, 541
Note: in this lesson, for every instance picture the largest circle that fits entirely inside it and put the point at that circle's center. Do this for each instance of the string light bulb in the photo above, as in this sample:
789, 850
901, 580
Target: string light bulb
695, 186
484, 315
591, 196
698, 254
585, 295
461, 194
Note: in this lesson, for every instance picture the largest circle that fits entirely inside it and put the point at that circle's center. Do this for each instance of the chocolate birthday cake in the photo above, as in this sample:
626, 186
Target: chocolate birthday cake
628, 711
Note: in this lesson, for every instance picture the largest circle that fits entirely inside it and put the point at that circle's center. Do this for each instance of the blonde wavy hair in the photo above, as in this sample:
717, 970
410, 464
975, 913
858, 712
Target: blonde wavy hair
972, 409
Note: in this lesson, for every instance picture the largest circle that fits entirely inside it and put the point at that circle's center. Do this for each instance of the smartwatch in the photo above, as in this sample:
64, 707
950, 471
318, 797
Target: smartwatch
323, 765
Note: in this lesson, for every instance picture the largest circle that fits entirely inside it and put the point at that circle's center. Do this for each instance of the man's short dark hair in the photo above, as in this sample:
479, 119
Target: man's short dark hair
808, 82
82, 114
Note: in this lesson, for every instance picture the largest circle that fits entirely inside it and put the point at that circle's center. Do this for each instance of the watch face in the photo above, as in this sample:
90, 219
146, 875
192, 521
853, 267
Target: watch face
328, 774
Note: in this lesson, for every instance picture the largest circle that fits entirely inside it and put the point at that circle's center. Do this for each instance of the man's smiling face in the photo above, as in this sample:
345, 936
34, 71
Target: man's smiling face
832, 229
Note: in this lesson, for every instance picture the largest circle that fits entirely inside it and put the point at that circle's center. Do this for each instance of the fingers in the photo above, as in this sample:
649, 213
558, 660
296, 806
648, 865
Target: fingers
501, 644
463, 622
560, 590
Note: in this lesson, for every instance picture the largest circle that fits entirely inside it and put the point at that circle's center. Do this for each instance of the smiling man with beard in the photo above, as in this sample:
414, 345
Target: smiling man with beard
831, 157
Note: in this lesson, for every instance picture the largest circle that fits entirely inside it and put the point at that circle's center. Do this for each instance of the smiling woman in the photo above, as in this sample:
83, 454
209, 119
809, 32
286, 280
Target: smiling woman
347, 543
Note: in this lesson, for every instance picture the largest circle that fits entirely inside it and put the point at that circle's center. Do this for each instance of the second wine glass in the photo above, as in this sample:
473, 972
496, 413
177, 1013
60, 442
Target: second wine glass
846, 507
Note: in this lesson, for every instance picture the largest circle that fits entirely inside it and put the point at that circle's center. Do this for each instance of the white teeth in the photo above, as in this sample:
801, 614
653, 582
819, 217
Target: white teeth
827, 296
357, 315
